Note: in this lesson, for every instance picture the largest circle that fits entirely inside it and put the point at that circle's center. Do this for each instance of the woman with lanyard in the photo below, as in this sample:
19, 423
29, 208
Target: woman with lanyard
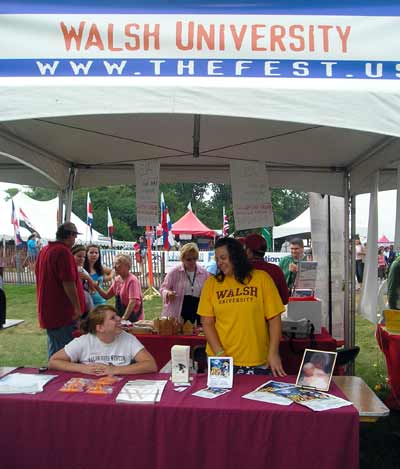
182, 286
126, 289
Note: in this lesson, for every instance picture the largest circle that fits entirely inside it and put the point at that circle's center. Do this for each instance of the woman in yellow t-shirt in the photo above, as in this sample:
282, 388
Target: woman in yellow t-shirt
240, 309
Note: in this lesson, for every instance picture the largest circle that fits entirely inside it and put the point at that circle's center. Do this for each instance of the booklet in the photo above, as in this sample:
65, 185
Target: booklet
219, 379
210, 393
141, 391
24, 383
220, 372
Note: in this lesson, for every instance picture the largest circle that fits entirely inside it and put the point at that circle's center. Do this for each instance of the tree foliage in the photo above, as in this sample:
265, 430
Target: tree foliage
207, 201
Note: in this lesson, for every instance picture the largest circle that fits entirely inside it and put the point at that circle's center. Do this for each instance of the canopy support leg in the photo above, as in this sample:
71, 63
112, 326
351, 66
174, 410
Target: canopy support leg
69, 193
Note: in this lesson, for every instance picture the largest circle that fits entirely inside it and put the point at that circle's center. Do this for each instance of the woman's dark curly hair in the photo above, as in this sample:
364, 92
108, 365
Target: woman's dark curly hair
97, 266
241, 264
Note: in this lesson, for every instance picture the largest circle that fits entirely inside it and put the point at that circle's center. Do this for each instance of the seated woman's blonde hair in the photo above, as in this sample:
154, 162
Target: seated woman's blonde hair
94, 318
189, 248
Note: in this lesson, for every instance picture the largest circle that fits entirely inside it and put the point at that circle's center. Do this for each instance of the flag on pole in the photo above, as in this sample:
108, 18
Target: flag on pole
89, 211
164, 223
110, 226
25, 222
225, 223
15, 222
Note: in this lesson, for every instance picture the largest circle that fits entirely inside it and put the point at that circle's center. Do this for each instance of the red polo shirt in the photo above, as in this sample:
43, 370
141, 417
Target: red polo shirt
276, 274
55, 265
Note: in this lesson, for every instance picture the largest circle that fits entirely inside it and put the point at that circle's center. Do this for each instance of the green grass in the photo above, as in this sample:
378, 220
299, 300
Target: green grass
26, 344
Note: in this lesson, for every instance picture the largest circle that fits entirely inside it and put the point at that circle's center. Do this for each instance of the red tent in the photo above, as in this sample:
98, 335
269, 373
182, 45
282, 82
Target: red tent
190, 224
384, 240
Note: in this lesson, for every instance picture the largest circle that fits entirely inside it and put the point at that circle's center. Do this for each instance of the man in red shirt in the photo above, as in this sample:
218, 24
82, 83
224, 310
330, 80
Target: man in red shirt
57, 286
255, 247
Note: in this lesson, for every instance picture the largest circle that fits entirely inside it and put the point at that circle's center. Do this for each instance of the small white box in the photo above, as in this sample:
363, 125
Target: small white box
180, 360
311, 310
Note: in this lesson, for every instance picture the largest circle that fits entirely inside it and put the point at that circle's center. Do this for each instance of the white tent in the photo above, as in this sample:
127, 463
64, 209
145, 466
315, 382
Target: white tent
301, 225
311, 90
43, 216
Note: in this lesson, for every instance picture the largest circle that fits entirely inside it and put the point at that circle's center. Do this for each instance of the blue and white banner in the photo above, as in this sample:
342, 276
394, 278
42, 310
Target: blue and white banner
87, 44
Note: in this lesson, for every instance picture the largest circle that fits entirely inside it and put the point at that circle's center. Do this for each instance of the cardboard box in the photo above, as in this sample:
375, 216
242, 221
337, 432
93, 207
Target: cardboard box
310, 309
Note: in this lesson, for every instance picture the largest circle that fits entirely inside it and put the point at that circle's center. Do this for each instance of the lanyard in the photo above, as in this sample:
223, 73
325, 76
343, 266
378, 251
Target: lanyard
190, 280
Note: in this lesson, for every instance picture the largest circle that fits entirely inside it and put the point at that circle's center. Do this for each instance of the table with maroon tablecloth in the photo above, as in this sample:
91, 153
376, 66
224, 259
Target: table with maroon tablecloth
291, 350
390, 346
81, 431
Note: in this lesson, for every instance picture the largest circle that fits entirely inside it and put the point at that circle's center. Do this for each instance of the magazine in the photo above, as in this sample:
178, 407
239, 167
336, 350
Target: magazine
286, 393
141, 391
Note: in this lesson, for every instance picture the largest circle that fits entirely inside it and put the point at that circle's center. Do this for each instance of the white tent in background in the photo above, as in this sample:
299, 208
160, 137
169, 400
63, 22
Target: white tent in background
299, 227
43, 216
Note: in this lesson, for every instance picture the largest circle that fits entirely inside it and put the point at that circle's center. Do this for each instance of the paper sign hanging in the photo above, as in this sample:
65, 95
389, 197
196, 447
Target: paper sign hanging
251, 196
147, 186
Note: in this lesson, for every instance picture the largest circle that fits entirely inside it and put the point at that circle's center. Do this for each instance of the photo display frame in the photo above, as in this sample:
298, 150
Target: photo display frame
316, 369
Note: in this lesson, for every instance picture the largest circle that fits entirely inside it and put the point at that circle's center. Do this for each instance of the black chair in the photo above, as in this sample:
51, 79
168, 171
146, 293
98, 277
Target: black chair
345, 356
2, 308
199, 356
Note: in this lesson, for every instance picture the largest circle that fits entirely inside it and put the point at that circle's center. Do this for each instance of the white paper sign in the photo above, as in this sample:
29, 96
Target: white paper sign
147, 186
252, 206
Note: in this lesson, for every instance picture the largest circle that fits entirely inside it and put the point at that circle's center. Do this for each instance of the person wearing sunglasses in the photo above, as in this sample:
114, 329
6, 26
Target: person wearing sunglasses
182, 286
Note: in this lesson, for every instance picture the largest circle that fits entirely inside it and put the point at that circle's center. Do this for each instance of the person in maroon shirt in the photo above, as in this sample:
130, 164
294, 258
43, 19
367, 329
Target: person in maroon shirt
57, 282
255, 247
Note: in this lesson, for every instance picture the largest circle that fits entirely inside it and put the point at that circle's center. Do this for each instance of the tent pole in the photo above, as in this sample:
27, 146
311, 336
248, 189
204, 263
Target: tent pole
329, 267
69, 193
346, 305
60, 214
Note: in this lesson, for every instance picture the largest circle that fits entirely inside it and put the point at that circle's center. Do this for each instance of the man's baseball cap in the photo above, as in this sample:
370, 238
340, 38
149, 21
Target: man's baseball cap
255, 243
70, 228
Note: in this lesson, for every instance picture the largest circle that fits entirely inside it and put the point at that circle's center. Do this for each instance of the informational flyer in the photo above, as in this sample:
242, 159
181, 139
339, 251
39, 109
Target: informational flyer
220, 372
306, 277
252, 207
147, 187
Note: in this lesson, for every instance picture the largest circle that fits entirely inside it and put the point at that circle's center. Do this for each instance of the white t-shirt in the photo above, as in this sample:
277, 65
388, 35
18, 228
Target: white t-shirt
89, 349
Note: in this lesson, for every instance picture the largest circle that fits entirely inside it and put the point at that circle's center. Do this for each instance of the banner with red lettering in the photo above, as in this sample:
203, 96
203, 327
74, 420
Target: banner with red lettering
226, 39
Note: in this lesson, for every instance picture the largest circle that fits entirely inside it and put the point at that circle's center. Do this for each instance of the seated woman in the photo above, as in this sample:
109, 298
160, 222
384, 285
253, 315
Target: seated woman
126, 289
182, 286
240, 309
105, 349
97, 272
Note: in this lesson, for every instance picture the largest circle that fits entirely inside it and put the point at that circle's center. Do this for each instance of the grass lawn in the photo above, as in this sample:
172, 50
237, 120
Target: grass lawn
26, 345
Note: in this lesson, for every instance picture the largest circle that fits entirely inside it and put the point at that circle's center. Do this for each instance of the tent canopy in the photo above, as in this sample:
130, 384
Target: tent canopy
85, 93
190, 224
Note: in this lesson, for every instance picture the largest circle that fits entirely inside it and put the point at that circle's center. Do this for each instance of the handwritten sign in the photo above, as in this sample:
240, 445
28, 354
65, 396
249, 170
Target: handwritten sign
147, 184
252, 206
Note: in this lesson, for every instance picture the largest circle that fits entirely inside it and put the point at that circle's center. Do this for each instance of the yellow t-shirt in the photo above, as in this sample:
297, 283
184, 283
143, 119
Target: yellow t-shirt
240, 311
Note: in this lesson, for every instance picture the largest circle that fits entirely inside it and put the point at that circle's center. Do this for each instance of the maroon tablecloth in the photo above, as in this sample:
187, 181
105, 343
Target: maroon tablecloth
390, 346
291, 350
79, 431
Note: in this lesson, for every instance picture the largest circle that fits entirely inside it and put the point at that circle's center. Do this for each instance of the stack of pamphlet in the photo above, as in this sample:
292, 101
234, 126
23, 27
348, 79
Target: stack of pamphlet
142, 391
24, 383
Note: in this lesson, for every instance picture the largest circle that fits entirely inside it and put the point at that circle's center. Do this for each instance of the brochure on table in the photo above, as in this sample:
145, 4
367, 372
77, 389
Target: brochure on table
219, 378
313, 378
24, 383
142, 391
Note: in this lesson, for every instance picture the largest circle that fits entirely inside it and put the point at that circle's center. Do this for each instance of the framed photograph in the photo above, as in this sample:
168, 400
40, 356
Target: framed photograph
316, 369
220, 372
